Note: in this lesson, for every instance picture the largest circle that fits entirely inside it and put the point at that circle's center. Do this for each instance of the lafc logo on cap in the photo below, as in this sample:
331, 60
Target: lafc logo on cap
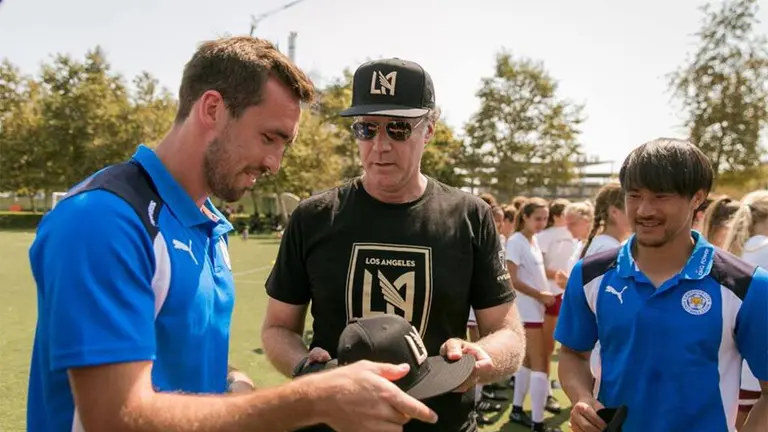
417, 346
386, 83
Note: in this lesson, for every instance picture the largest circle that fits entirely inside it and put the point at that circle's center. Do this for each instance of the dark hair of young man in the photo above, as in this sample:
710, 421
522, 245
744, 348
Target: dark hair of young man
667, 165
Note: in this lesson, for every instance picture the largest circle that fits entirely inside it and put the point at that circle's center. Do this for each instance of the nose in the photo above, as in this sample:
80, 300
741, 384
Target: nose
381, 142
645, 208
272, 164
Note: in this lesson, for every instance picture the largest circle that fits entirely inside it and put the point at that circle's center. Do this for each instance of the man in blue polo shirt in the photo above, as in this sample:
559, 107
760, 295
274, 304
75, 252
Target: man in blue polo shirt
135, 289
673, 314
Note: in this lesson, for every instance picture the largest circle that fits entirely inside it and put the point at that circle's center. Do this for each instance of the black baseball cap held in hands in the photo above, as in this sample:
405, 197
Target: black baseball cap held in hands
392, 339
613, 417
391, 88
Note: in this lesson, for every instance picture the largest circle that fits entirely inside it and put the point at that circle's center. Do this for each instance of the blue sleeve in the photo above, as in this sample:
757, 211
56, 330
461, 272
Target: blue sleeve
576, 326
93, 262
752, 325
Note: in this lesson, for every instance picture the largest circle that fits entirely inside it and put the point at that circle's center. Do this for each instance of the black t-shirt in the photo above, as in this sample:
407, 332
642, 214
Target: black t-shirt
429, 260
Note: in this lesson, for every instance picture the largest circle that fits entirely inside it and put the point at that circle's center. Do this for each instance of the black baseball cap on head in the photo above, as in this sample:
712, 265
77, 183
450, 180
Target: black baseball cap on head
392, 339
391, 88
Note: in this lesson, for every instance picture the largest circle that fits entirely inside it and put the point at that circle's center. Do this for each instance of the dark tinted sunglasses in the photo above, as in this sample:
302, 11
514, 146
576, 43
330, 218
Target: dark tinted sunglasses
398, 130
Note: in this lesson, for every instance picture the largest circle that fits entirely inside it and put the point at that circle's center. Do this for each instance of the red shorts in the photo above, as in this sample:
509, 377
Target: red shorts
554, 310
533, 325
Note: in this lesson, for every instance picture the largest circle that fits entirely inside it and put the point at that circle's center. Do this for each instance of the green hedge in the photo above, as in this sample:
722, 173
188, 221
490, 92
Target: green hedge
260, 224
29, 221
19, 220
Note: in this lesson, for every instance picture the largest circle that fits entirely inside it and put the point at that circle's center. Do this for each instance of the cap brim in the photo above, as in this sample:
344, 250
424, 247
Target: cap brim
331, 364
444, 376
384, 110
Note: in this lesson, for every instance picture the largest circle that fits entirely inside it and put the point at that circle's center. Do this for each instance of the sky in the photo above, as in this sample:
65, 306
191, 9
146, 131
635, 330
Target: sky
612, 56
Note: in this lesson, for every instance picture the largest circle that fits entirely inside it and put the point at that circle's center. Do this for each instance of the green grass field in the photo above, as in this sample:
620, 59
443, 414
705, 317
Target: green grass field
251, 262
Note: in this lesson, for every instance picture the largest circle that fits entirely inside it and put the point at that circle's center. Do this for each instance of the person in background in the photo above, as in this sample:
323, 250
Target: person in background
507, 229
610, 227
518, 201
556, 208
579, 217
748, 238
488, 198
529, 277
508, 223
486, 397
498, 221
557, 244
716, 218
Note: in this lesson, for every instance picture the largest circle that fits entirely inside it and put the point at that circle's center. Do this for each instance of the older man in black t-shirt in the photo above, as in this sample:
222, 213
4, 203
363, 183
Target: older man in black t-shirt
395, 241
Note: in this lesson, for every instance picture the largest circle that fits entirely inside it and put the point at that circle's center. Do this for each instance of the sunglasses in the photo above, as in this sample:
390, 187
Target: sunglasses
397, 130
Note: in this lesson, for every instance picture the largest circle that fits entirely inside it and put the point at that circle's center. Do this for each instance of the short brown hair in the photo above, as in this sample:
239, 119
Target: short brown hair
238, 68
518, 201
509, 212
718, 214
556, 209
610, 195
529, 206
488, 198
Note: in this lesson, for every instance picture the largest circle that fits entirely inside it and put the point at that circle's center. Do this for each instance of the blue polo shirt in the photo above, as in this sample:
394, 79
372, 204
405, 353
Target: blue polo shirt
143, 277
673, 355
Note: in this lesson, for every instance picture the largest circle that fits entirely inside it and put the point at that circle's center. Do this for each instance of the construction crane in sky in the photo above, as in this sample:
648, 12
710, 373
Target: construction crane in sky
255, 20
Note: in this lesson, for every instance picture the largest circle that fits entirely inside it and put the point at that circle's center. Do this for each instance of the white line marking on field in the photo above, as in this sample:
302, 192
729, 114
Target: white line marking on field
254, 270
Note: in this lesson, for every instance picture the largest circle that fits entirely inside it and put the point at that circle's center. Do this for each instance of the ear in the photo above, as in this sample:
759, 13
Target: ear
430, 133
211, 110
698, 199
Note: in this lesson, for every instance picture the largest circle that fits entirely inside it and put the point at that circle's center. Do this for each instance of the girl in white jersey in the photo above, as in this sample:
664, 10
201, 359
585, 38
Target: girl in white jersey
748, 238
526, 269
579, 217
610, 229
557, 244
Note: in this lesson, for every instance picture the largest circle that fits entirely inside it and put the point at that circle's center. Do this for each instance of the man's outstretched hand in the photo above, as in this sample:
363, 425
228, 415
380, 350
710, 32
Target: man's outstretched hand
361, 397
584, 417
454, 349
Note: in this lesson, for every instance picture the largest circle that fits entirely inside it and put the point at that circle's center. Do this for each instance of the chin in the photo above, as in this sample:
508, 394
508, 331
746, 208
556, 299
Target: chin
230, 195
385, 181
650, 242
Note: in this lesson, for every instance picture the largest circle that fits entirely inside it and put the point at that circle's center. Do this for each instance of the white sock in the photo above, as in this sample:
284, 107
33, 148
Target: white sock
522, 378
549, 388
478, 393
539, 384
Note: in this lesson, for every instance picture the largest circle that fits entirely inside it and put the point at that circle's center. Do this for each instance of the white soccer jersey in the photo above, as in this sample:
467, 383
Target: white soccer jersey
601, 243
530, 270
557, 244
755, 252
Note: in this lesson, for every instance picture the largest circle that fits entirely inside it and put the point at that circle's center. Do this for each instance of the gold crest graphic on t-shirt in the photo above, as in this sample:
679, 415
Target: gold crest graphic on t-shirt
390, 279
